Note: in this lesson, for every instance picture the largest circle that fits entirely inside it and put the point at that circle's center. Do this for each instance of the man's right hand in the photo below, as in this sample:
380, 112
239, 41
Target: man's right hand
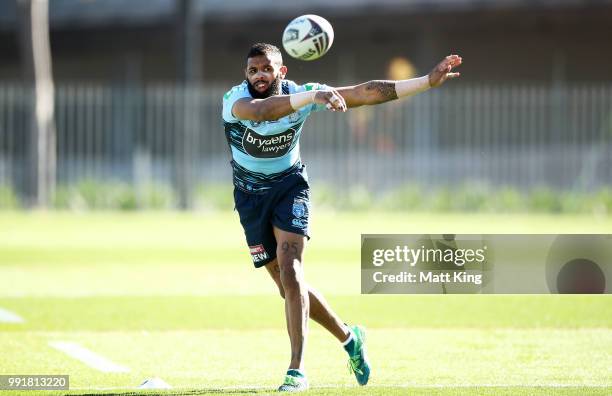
331, 99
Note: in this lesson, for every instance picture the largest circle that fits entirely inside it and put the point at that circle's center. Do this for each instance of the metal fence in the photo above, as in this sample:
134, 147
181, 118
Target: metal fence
521, 136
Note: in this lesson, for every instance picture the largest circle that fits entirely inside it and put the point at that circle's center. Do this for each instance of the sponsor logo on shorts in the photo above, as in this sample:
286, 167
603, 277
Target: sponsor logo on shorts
300, 223
258, 253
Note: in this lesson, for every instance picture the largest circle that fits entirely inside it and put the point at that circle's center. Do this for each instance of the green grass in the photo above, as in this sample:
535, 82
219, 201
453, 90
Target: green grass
366, 391
175, 296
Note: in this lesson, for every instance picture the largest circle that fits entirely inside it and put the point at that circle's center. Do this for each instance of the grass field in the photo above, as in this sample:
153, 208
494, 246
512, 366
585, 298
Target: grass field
175, 296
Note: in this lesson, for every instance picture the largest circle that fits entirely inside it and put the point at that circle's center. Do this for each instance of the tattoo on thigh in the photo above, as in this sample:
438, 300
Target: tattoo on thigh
293, 247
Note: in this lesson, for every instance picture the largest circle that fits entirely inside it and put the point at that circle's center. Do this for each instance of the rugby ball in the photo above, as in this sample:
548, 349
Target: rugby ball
308, 37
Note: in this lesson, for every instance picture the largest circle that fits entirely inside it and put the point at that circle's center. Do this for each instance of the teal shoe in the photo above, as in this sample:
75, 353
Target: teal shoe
358, 359
295, 381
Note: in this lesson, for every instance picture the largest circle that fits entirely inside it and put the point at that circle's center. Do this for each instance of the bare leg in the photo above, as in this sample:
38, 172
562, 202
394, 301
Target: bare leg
289, 257
320, 311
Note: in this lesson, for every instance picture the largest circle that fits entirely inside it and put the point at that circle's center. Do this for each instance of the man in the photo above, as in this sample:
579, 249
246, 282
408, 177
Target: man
263, 120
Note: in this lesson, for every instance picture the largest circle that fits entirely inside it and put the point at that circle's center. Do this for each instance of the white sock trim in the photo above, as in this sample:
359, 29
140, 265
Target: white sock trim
350, 337
412, 86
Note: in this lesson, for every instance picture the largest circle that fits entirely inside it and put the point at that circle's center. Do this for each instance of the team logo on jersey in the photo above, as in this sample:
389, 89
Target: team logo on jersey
270, 146
294, 117
258, 253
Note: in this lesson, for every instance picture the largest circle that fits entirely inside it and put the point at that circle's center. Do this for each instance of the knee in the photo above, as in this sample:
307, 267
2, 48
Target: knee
291, 275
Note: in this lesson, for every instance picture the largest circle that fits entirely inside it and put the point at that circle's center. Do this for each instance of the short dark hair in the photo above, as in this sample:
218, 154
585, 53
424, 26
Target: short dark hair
265, 49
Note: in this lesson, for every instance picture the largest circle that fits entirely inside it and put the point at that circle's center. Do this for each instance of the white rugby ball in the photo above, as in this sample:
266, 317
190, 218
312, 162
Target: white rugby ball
308, 37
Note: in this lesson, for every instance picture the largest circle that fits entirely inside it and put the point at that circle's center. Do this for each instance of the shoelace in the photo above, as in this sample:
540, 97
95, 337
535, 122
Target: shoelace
353, 365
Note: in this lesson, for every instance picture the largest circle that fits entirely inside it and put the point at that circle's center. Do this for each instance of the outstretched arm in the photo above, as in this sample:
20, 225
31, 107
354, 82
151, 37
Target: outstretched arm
381, 91
278, 106
339, 99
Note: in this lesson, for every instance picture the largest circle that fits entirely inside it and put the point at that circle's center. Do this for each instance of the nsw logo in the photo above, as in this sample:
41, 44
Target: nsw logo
300, 213
299, 208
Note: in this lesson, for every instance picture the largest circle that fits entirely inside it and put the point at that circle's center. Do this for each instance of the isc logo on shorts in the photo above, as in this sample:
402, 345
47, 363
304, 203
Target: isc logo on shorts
258, 253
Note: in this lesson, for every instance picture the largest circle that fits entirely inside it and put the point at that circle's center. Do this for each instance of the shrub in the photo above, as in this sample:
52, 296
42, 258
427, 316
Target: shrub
8, 198
217, 196
544, 200
93, 195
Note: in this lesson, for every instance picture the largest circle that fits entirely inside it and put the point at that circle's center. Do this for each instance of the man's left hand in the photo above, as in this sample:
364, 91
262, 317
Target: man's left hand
443, 71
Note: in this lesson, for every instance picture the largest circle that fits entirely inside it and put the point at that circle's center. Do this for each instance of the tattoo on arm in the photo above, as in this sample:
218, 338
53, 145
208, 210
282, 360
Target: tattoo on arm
382, 91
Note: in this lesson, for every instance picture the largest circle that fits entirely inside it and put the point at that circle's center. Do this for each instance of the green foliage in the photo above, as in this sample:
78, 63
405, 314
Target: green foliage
325, 196
572, 202
217, 196
405, 198
544, 200
470, 198
92, 195
466, 198
156, 197
440, 200
507, 199
356, 198
603, 201
8, 198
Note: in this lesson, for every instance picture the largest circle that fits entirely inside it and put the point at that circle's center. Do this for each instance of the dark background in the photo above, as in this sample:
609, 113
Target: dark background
116, 41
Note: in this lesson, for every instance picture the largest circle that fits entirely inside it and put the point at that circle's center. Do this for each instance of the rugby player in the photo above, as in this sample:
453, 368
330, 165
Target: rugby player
263, 118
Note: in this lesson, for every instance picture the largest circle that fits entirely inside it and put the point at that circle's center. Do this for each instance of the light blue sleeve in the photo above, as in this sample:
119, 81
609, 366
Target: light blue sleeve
230, 97
312, 86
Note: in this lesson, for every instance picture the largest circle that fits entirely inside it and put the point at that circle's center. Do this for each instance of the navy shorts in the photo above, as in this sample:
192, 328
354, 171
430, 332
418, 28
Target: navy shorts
286, 205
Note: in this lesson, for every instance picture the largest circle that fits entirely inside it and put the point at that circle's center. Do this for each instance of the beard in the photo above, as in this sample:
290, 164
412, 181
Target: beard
272, 89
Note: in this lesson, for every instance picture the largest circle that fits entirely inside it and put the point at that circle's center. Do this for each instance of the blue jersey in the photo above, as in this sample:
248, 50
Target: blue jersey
265, 152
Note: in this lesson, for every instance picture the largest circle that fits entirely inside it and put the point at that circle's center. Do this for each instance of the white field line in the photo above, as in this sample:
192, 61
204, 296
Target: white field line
88, 357
7, 316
